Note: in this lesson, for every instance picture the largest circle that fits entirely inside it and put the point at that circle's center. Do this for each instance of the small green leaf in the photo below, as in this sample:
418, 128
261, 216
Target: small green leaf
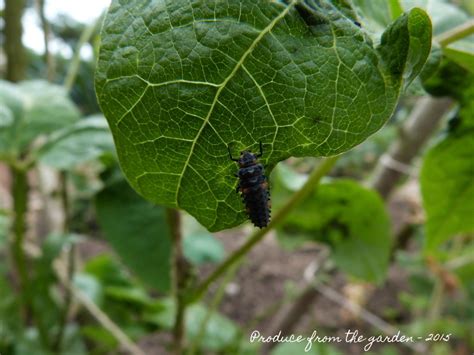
138, 231
90, 286
447, 187
84, 141
406, 44
350, 218
203, 248
180, 81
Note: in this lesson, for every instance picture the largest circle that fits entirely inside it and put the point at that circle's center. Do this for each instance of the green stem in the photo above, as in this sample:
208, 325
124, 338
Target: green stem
455, 34
217, 299
76, 59
313, 180
20, 205
70, 262
20, 190
179, 280
13, 30
48, 58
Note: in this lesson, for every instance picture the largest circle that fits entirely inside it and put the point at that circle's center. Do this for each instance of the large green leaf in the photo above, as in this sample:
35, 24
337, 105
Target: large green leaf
179, 81
447, 186
138, 231
350, 218
83, 141
32, 108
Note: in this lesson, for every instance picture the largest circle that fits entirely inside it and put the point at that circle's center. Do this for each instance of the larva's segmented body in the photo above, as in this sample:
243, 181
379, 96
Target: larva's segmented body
253, 187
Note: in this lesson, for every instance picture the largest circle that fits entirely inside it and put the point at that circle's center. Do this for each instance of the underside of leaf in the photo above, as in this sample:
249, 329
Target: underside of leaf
179, 81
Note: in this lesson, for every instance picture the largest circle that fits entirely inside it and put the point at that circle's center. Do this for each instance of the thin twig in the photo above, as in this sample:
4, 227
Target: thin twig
48, 58
455, 34
97, 313
76, 59
313, 180
367, 316
216, 301
70, 260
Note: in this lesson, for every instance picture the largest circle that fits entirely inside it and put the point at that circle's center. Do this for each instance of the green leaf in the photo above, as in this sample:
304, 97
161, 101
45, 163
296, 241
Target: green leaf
38, 107
84, 141
202, 248
302, 349
410, 38
4, 223
180, 81
350, 218
220, 331
129, 294
90, 286
138, 231
447, 188
462, 52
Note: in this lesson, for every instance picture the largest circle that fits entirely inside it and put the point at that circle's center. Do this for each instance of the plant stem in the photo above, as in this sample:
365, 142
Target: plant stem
70, 262
216, 300
98, 314
48, 58
20, 205
15, 53
20, 189
313, 180
179, 271
76, 59
418, 128
455, 34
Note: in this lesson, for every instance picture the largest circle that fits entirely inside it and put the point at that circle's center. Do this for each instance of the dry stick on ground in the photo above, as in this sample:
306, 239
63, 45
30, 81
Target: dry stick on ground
289, 317
419, 127
367, 316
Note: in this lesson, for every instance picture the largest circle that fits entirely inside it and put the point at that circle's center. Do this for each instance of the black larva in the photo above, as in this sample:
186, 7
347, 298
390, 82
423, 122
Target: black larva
253, 187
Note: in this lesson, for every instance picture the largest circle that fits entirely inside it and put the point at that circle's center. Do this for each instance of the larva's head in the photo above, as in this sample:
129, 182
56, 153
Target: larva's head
247, 159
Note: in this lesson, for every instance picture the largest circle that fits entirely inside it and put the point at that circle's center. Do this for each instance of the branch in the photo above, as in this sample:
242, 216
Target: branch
455, 34
313, 180
97, 313
418, 128
76, 59
367, 316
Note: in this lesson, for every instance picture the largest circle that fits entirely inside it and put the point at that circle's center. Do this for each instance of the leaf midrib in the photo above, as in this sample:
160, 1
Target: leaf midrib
221, 87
